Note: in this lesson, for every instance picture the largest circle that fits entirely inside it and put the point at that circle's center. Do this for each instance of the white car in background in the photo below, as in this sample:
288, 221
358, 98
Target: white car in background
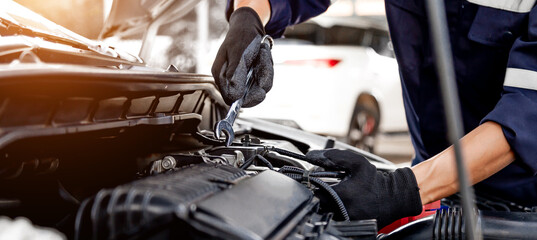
336, 77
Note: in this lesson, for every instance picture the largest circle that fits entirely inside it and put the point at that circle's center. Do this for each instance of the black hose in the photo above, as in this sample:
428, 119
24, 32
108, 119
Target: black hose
248, 162
322, 185
265, 161
298, 174
315, 162
289, 153
208, 140
328, 174
292, 169
334, 195
284, 160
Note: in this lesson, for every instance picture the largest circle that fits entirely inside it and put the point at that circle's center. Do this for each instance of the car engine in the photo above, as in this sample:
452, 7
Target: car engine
94, 144
108, 154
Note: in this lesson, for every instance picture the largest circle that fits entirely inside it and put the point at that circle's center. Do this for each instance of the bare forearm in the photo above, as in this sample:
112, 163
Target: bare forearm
262, 7
485, 152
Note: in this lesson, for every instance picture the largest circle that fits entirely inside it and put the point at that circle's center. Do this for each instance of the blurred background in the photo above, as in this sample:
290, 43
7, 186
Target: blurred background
335, 75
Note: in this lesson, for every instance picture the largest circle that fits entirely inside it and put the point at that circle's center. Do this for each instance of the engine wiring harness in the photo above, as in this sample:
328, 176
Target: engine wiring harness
306, 177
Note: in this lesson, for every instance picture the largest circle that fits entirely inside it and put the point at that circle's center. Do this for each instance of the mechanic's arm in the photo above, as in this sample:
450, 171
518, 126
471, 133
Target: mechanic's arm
387, 196
485, 151
261, 7
281, 13
242, 50
508, 130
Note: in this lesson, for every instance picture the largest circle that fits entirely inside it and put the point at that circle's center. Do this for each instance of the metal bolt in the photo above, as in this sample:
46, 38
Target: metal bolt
246, 140
240, 158
168, 162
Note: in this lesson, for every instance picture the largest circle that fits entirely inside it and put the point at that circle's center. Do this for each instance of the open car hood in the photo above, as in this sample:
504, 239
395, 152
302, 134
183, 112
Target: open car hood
134, 17
24, 30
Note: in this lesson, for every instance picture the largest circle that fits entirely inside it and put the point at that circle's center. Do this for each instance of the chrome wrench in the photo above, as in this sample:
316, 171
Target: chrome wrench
226, 125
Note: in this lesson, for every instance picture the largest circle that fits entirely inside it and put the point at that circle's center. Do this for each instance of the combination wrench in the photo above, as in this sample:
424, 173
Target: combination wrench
226, 125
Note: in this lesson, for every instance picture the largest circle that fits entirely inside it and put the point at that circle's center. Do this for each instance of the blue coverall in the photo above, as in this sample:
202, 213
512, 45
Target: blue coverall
494, 45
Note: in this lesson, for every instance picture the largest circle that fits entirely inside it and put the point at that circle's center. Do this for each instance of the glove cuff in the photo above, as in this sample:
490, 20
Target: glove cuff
409, 192
244, 16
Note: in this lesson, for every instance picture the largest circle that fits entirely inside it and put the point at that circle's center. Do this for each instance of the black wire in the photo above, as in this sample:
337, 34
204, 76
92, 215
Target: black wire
328, 174
286, 160
292, 169
322, 185
265, 161
298, 174
248, 162
208, 140
289, 153
304, 158
334, 195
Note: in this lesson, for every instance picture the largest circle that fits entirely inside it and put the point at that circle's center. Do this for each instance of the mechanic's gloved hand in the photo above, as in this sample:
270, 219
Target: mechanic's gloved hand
368, 193
240, 50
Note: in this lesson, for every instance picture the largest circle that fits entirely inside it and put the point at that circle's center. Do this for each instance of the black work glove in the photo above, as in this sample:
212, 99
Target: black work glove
368, 193
240, 50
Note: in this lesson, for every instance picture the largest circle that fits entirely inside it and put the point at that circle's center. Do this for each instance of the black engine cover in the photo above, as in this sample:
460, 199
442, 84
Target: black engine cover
201, 201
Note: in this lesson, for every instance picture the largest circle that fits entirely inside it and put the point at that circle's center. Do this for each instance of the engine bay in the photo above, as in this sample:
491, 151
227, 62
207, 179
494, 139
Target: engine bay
257, 188
102, 154
254, 189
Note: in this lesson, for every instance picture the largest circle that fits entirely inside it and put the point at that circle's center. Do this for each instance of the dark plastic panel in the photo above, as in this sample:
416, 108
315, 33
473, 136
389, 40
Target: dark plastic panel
110, 109
208, 121
44, 103
152, 202
270, 197
190, 102
31, 110
140, 106
166, 104
73, 110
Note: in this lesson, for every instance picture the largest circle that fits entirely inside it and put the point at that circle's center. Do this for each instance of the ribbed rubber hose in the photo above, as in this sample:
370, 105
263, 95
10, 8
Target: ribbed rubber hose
319, 183
298, 174
293, 169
